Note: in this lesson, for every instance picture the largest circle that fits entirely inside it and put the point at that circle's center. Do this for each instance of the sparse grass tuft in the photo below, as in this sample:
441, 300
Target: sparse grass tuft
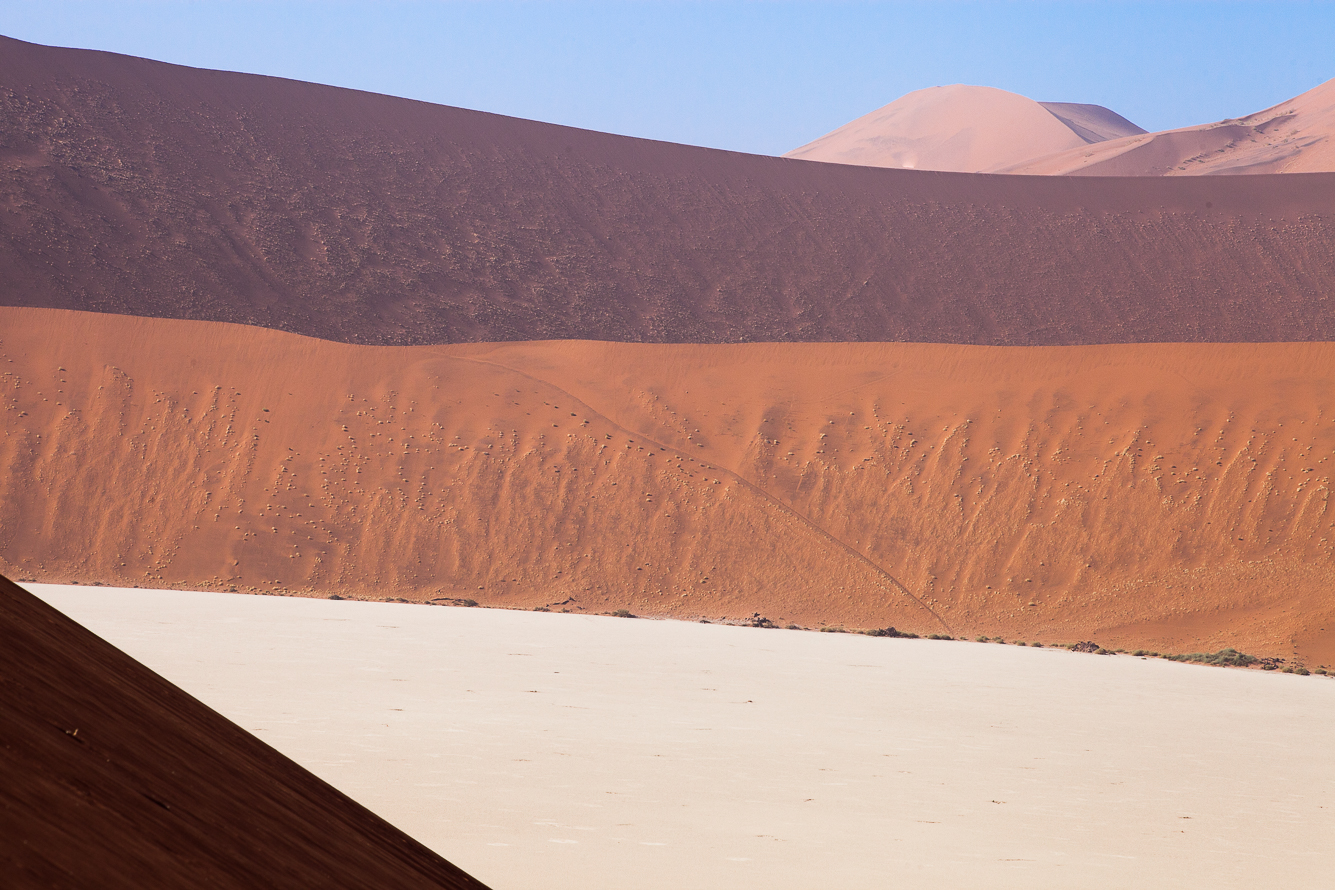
833, 630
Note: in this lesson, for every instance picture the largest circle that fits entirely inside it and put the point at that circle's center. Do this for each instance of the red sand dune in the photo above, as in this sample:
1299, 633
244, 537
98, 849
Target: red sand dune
1173, 497
136, 187
1297, 136
965, 129
114, 778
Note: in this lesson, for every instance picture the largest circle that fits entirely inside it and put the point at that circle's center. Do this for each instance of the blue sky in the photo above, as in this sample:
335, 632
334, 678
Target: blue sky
750, 76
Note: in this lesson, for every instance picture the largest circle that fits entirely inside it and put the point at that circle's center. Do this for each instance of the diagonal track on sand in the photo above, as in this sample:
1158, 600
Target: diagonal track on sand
751, 486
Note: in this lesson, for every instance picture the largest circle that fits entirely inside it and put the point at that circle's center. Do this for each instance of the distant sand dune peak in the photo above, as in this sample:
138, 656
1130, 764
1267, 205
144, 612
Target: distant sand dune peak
964, 129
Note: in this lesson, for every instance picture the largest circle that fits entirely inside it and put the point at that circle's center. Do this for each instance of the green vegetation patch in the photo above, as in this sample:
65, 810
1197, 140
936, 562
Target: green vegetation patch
1224, 658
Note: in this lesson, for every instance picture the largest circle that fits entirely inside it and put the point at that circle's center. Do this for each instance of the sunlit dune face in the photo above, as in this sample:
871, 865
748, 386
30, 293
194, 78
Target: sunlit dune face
1173, 497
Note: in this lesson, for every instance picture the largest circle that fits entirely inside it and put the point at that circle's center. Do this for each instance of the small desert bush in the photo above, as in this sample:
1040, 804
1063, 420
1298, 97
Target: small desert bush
1224, 657
621, 613
939, 637
890, 632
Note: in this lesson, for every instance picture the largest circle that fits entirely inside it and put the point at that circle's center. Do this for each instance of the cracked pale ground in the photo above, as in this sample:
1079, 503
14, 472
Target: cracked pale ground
564, 751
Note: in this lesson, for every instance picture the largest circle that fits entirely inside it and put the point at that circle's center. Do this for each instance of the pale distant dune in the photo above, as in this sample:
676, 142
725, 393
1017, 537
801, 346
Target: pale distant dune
1166, 496
1093, 123
967, 129
1297, 136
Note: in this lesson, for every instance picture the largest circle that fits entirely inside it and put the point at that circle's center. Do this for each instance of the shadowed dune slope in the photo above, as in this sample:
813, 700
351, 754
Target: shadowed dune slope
1092, 123
964, 129
1175, 497
135, 187
1297, 136
112, 777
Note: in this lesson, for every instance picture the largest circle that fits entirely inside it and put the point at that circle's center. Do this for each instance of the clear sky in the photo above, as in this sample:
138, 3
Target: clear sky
751, 76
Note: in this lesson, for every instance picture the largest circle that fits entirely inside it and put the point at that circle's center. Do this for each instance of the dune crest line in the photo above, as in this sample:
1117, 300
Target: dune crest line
157, 190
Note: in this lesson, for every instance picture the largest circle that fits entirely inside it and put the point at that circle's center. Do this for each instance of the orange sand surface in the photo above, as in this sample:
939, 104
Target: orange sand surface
1172, 497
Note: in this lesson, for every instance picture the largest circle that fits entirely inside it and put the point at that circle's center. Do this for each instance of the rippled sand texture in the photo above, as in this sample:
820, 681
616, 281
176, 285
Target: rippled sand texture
1172, 497
141, 188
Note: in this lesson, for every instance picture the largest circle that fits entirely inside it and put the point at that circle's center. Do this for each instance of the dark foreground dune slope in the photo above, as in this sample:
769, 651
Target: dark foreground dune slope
136, 187
1165, 496
111, 777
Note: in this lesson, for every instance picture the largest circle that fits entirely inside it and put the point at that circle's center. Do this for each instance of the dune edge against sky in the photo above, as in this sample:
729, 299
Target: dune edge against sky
142, 188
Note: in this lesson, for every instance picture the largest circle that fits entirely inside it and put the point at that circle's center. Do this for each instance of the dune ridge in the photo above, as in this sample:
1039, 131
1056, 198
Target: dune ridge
1172, 497
1295, 136
964, 129
141, 188
115, 778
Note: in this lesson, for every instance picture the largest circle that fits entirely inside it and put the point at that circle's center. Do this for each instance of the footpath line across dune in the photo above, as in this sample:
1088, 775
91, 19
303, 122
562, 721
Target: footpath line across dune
1173, 497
